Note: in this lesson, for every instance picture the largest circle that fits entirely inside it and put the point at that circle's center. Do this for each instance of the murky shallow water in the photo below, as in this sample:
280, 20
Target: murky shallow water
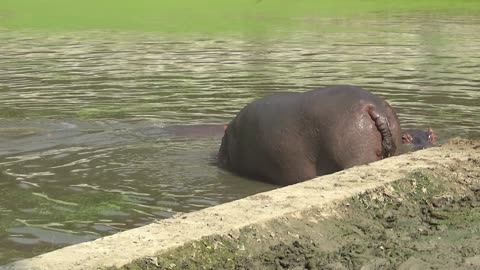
83, 147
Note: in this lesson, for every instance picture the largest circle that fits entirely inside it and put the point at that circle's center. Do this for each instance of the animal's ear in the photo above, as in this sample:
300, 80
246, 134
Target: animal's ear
407, 138
225, 127
432, 138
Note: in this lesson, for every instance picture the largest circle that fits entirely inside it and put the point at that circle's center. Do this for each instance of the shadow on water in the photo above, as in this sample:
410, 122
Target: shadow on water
85, 148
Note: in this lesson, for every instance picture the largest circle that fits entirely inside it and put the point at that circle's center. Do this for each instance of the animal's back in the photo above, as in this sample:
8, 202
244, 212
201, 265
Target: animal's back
291, 137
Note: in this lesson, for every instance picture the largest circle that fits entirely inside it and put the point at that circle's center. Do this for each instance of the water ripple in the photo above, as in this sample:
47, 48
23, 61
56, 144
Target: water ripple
84, 151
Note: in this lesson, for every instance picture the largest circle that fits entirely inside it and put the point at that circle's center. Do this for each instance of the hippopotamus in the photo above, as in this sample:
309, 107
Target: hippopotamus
286, 138
416, 139
199, 130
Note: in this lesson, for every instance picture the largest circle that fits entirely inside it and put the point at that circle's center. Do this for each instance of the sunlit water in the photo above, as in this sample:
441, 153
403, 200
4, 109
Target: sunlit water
83, 147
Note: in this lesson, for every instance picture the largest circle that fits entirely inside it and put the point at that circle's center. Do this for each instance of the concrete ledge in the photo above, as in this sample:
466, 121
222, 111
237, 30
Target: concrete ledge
309, 203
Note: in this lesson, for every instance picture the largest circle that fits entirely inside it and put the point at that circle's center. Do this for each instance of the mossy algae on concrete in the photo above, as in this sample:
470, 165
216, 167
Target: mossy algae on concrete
412, 211
429, 218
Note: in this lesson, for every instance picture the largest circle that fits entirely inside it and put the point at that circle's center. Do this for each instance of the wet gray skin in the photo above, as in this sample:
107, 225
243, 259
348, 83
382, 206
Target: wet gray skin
417, 139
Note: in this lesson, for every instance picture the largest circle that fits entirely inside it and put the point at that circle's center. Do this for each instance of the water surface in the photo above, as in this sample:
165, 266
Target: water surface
84, 150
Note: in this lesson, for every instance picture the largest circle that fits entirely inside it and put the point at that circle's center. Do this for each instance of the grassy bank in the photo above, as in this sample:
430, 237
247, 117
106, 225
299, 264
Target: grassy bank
203, 16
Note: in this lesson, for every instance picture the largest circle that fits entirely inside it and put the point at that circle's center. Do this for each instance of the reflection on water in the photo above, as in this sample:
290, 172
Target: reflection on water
84, 148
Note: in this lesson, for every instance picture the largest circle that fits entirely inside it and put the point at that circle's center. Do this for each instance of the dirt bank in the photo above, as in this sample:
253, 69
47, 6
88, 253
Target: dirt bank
416, 211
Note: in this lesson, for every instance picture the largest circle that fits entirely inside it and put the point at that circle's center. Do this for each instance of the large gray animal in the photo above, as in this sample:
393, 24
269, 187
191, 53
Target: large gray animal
287, 138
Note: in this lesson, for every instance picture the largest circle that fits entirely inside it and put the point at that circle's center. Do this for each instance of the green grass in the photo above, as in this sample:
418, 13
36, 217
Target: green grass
209, 16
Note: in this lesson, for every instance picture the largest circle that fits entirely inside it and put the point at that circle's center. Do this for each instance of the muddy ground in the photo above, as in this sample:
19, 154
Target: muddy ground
430, 219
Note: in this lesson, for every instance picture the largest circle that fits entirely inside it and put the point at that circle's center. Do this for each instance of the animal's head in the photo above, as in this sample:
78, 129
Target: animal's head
419, 139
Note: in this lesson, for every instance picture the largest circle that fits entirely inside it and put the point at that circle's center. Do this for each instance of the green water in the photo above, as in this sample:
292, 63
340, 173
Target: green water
88, 89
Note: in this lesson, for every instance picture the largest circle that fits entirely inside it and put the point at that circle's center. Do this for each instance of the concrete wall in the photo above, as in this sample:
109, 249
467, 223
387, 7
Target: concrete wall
317, 197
